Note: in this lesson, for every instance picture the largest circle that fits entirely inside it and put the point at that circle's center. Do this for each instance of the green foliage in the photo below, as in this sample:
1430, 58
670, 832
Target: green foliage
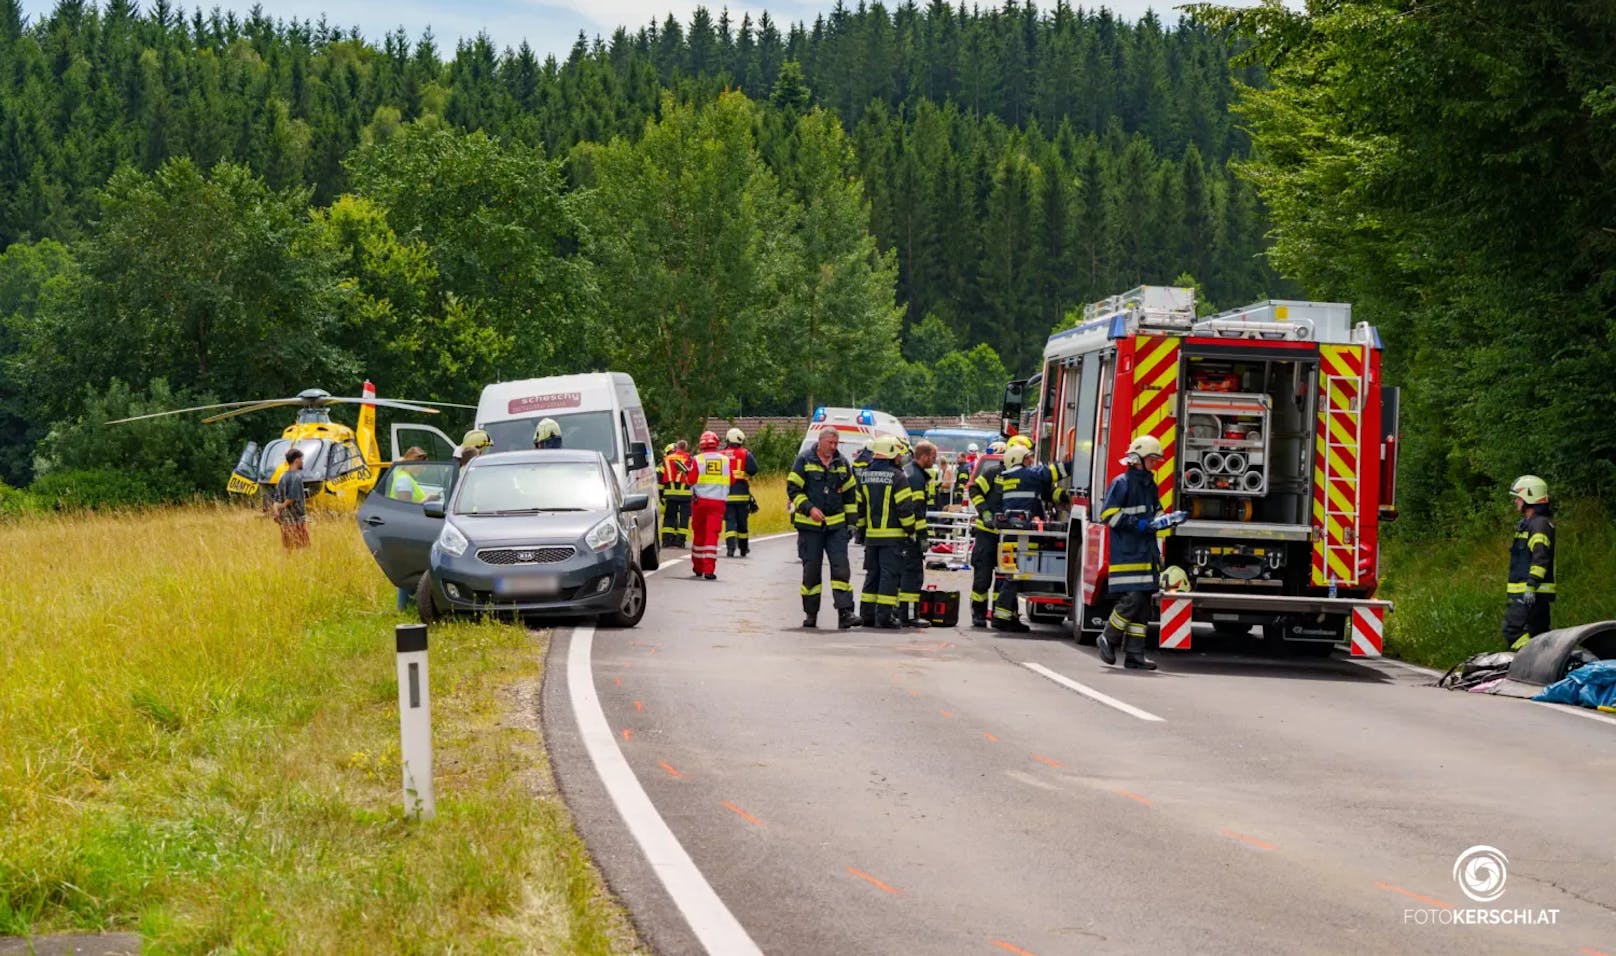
16, 502
1444, 617
98, 489
1450, 169
699, 236
192, 278
775, 449
174, 457
505, 245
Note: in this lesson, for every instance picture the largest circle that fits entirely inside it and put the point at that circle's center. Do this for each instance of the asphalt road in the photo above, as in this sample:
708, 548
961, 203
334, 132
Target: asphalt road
930, 792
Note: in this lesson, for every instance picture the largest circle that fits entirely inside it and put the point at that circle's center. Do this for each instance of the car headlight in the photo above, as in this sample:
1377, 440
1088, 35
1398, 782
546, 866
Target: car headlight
451, 541
603, 535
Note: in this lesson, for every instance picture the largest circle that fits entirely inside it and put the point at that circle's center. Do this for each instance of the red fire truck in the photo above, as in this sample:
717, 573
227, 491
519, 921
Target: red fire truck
1279, 439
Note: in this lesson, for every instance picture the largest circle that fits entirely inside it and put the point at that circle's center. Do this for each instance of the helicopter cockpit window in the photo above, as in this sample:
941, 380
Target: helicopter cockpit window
345, 458
275, 456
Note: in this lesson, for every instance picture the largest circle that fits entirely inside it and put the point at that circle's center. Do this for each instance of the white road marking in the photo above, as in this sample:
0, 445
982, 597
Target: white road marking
1405, 665
712, 922
1577, 711
1091, 693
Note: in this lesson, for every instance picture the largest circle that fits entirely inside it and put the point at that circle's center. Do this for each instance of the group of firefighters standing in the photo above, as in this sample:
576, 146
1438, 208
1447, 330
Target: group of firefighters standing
882, 496
708, 496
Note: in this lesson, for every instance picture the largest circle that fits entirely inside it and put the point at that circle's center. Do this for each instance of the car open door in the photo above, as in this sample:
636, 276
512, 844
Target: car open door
437, 445
394, 522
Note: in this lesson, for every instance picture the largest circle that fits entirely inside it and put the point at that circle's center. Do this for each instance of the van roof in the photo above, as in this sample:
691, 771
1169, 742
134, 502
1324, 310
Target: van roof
559, 394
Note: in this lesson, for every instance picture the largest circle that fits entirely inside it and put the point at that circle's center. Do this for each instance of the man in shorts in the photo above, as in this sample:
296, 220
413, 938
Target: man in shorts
290, 503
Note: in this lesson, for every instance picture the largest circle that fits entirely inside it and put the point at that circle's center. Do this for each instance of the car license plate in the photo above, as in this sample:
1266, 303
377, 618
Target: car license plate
527, 587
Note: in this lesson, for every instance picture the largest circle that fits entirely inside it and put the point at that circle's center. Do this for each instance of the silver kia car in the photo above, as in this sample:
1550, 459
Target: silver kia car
528, 533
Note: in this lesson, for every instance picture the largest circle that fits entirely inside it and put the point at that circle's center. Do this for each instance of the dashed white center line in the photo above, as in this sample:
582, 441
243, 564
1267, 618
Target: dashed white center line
1091, 693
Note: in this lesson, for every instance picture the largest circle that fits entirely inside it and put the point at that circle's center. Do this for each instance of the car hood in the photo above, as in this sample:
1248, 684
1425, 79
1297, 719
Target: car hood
559, 527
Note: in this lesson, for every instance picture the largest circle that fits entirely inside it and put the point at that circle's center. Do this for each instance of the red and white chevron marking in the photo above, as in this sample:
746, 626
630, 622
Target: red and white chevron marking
1368, 628
1175, 624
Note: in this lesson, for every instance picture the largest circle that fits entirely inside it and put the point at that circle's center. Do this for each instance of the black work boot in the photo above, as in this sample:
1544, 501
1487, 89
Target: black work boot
1012, 624
1134, 655
866, 615
845, 618
979, 614
886, 618
1107, 643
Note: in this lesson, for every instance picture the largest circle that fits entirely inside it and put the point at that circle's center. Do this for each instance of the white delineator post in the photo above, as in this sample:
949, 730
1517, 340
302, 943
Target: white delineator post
414, 721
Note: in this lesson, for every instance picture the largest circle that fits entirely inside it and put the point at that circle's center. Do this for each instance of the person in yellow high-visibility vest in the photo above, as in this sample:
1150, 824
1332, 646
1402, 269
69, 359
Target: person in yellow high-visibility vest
711, 493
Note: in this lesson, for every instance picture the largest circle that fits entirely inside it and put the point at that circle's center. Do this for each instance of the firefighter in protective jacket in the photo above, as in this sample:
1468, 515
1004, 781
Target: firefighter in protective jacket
739, 507
824, 507
677, 475
1023, 486
922, 479
984, 497
886, 514
1531, 563
1134, 514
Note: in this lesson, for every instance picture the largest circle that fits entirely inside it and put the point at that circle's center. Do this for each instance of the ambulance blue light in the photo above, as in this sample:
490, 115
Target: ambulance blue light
866, 417
819, 414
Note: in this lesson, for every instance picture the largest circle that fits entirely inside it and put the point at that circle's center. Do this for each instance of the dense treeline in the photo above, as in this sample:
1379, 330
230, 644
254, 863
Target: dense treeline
237, 205
1450, 168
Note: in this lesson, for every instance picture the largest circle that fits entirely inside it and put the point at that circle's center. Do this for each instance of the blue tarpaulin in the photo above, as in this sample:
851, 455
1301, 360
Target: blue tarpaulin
1591, 685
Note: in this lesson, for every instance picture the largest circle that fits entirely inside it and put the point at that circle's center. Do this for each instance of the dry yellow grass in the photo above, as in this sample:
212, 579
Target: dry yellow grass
200, 743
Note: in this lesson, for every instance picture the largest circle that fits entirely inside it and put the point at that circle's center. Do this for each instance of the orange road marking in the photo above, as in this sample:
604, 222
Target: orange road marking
1259, 844
628, 734
874, 882
1589, 951
914, 693
742, 814
1136, 797
990, 736
639, 706
1045, 760
618, 681
946, 713
1009, 948
1415, 896
669, 768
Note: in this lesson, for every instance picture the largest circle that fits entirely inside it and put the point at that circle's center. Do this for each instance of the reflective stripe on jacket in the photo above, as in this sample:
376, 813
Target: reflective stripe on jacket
1133, 554
923, 494
712, 476
886, 505
984, 493
742, 466
831, 489
1531, 557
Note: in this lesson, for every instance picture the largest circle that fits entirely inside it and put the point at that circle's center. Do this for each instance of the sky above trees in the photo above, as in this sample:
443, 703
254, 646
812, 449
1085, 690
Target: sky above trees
552, 27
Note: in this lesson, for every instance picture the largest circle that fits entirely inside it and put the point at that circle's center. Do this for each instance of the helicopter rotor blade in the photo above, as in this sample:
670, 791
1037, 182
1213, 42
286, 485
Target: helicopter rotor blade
255, 407
182, 411
431, 409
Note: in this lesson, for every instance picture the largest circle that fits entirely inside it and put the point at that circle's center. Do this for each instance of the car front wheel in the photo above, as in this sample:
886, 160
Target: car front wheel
632, 606
426, 599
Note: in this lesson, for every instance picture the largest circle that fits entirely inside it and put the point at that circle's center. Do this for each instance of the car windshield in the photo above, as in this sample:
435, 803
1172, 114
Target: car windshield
953, 445
589, 431
526, 487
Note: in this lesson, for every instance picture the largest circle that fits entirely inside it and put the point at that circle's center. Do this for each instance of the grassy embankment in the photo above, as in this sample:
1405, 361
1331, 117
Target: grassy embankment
199, 742
1450, 592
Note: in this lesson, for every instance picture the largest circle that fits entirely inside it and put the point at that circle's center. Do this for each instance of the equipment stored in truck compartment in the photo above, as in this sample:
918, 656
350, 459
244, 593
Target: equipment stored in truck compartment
1279, 440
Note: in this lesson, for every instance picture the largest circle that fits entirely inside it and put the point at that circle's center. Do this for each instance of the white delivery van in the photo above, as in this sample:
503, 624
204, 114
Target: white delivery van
855, 426
598, 410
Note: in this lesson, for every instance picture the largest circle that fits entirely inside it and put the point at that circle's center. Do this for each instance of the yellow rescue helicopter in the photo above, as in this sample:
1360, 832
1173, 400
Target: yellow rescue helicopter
340, 464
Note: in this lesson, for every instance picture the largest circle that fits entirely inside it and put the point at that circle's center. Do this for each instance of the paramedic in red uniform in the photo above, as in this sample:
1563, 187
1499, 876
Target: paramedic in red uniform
711, 490
742, 466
